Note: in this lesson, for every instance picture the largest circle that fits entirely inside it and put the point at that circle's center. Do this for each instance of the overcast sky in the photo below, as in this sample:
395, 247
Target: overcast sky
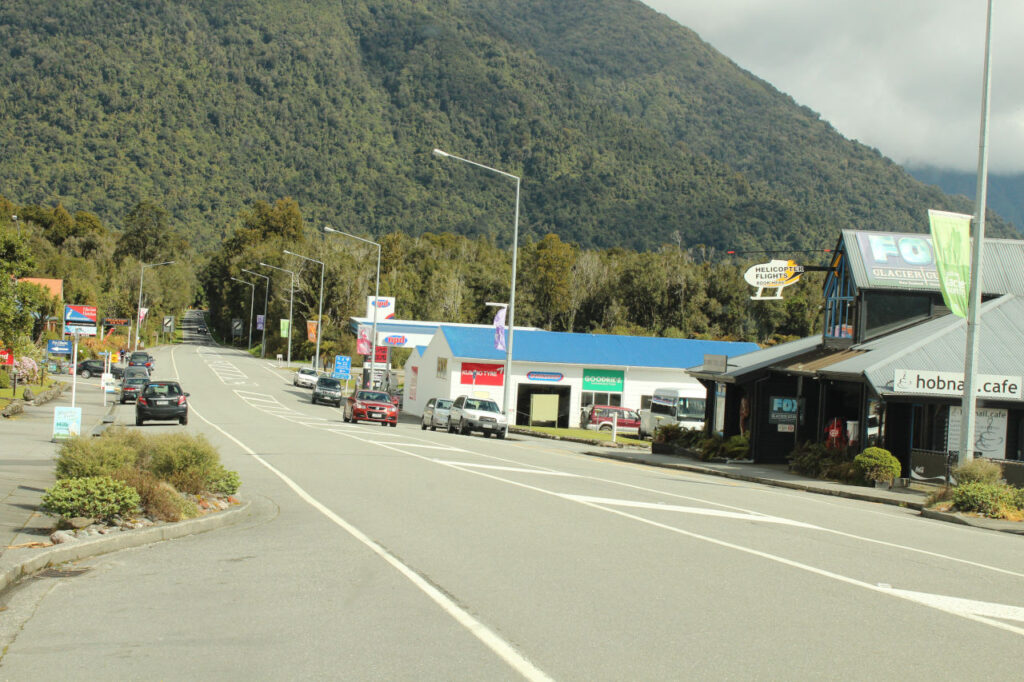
903, 76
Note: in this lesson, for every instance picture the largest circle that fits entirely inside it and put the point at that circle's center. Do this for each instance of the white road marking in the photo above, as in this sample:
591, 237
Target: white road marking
519, 470
981, 609
701, 511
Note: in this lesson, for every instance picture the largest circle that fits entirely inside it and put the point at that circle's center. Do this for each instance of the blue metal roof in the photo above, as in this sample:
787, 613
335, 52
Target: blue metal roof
590, 349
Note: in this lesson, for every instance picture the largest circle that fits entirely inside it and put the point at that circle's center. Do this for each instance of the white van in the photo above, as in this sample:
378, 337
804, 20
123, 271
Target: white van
683, 406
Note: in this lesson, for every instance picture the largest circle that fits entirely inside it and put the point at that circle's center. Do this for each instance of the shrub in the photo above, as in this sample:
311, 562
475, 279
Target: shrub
158, 498
183, 457
993, 500
877, 464
5, 379
811, 459
844, 470
667, 433
711, 447
978, 471
737, 447
227, 484
96, 497
84, 457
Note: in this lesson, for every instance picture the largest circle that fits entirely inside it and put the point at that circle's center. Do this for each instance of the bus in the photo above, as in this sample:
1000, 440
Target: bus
683, 406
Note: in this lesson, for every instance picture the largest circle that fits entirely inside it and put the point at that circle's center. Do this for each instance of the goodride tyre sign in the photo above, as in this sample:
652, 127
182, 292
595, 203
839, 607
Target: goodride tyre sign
611, 380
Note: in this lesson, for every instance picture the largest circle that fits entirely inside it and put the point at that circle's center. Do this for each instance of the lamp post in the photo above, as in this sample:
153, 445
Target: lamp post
320, 313
138, 312
266, 294
17, 224
291, 299
509, 413
252, 299
376, 297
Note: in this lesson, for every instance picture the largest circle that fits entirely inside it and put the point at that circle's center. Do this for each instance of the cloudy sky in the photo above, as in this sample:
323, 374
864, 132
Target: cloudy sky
902, 76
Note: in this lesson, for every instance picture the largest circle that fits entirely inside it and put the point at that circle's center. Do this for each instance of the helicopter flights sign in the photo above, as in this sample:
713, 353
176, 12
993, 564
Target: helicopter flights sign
776, 274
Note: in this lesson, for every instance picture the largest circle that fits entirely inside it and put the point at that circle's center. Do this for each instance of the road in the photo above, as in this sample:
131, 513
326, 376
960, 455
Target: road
399, 554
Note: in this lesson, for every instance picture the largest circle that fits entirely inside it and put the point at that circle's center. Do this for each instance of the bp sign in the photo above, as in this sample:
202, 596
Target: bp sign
610, 380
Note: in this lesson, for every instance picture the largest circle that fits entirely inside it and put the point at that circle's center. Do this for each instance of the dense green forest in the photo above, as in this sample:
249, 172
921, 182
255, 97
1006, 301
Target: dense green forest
673, 291
627, 130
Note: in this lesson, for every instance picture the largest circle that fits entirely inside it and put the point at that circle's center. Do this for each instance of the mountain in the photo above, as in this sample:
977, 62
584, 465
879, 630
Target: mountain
626, 128
1005, 193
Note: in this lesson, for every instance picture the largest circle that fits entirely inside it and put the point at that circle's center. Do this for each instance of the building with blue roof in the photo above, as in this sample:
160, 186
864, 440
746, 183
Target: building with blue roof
580, 369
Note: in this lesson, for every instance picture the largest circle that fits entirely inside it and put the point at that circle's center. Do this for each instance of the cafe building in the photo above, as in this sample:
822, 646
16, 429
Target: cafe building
888, 367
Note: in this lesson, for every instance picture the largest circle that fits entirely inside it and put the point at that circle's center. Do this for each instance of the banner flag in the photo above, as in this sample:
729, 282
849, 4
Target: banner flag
284, 329
311, 330
259, 323
952, 243
499, 329
363, 345
142, 314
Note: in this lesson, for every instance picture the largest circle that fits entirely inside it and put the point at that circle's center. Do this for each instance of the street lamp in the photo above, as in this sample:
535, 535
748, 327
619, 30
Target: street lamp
510, 414
376, 297
291, 299
320, 314
138, 313
15, 219
252, 299
266, 293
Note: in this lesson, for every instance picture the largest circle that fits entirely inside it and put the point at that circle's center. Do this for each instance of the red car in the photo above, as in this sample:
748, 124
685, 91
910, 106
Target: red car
371, 406
600, 417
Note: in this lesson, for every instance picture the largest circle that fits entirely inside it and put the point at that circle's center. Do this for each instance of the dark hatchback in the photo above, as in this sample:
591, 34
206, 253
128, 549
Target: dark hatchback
141, 359
162, 401
131, 387
94, 368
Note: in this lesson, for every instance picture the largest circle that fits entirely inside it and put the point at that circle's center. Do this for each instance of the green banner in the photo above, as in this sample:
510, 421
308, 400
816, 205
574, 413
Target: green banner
952, 244
284, 329
610, 380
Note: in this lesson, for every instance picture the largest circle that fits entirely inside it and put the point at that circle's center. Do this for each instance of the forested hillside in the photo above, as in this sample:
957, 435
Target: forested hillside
626, 129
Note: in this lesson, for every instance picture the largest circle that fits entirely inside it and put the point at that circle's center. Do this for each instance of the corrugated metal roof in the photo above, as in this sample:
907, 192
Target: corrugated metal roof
820, 359
939, 344
748, 363
1002, 265
590, 349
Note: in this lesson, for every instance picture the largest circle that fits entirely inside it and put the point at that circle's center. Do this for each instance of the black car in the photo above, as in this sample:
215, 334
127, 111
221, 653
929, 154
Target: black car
327, 390
141, 358
89, 368
132, 387
162, 401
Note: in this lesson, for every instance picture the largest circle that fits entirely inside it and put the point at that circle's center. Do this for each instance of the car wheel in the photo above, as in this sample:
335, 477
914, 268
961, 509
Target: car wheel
394, 425
487, 434
184, 419
313, 400
463, 429
501, 435
605, 427
383, 423
423, 425
138, 420
86, 374
433, 426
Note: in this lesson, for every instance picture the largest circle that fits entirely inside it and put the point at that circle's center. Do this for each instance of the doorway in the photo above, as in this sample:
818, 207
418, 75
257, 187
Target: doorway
523, 403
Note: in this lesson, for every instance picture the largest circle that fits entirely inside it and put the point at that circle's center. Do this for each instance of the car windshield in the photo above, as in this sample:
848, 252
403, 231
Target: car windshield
158, 390
306, 370
329, 383
443, 404
375, 396
485, 405
136, 381
139, 357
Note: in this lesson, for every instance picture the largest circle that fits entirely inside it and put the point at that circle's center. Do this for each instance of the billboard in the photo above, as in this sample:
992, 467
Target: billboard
904, 261
482, 374
611, 380
385, 307
80, 319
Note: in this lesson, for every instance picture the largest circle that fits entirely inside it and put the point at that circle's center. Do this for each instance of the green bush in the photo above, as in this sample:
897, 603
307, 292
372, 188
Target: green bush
711, 447
95, 497
811, 459
227, 484
877, 464
667, 433
737, 447
183, 457
5, 378
978, 471
158, 498
84, 457
993, 500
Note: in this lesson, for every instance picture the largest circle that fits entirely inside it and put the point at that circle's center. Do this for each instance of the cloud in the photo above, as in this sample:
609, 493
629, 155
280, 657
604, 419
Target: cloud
903, 77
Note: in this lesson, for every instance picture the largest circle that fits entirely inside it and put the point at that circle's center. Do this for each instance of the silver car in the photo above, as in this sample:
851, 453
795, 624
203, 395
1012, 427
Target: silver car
306, 377
476, 414
435, 414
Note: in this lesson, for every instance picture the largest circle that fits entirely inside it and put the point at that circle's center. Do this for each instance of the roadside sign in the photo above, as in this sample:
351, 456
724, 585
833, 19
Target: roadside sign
342, 367
108, 383
58, 347
169, 324
67, 422
6, 356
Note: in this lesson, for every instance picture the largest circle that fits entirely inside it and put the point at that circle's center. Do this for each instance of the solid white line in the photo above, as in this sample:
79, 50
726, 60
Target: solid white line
519, 470
488, 637
979, 608
700, 511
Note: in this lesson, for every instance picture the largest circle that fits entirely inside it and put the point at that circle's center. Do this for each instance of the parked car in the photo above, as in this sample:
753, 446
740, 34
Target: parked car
327, 390
372, 406
89, 368
600, 417
435, 414
306, 377
131, 387
162, 401
476, 414
140, 358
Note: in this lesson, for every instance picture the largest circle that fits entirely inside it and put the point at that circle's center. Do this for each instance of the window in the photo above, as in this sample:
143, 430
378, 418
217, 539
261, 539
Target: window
442, 368
593, 398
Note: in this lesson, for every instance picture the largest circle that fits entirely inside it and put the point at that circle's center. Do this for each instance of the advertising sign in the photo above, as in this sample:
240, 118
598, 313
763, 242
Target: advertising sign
363, 344
107, 383
952, 241
58, 347
382, 355
928, 382
385, 308
611, 380
414, 375
481, 374
989, 430
311, 330
260, 321
67, 422
898, 260
6, 356
284, 329
394, 340
785, 410
115, 322
775, 274
545, 376
342, 367
80, 319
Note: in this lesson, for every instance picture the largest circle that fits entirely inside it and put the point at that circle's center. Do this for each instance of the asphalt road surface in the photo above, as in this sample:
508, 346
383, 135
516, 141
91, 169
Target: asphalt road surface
399, 554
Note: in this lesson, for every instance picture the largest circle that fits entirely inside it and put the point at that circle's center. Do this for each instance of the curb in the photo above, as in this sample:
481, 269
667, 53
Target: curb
36, 560
909, 504
998, 525
570, 439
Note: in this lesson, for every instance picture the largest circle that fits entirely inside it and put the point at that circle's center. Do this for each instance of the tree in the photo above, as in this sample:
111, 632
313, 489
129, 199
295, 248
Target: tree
147, 234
